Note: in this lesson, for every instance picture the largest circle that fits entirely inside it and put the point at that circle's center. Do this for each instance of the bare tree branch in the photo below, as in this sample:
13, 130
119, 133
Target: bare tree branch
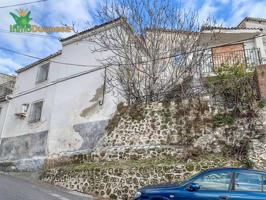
148, 31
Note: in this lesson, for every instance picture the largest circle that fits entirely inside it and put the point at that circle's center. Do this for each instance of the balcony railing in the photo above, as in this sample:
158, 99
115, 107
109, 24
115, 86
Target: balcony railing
6, 89
249, 58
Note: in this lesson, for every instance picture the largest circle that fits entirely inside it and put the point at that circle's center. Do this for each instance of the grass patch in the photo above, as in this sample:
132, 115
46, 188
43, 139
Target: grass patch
147, 163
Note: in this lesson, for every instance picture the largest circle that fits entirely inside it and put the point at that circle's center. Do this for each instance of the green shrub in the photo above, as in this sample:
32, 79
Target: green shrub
233, 87
222, 119
262, 103
247, 163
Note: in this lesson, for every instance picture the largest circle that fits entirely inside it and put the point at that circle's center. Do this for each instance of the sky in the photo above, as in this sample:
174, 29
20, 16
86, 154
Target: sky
81, 12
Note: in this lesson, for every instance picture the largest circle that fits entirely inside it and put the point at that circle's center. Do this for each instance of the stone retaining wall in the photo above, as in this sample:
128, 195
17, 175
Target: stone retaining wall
120, 180
158, 143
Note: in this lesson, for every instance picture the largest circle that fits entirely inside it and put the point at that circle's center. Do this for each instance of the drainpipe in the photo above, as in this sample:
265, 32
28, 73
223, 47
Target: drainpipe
104, 87
7, 98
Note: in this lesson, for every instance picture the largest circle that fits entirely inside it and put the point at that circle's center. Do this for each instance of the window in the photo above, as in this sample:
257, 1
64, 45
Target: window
36, 111
43, 73
248, 182
24, 108
214, 181
264, 183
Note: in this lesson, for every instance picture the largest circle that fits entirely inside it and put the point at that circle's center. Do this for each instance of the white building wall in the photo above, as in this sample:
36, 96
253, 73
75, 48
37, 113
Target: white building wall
254, 24
17, 126
72, 119
79, 104
261, 41
3, 112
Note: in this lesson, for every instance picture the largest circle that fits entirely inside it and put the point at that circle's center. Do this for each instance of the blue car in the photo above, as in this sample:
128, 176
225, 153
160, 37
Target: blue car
213, 184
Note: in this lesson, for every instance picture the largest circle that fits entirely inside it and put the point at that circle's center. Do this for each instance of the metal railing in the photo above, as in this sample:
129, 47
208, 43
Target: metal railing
6, 89
249, 58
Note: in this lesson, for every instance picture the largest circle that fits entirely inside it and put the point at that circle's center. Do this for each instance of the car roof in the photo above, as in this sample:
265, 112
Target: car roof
231, 169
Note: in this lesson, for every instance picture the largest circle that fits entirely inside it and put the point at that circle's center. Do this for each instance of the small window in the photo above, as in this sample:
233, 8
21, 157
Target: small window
248, 182
36, 111
215, 181
43, 73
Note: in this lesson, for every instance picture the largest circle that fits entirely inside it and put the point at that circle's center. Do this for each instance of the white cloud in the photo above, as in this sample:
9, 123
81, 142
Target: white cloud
245, 8
207, 10
224, 1
8, 66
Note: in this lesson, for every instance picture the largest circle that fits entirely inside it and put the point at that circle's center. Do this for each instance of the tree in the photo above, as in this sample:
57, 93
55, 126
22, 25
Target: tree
157, 49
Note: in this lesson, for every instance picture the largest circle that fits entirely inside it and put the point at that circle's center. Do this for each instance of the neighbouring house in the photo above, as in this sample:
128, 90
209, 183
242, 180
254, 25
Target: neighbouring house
59, 108
7, 83
235, 45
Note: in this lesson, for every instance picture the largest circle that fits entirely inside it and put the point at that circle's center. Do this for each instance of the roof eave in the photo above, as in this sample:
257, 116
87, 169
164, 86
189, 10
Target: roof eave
236, 31
39, 62
84, 34
252, 19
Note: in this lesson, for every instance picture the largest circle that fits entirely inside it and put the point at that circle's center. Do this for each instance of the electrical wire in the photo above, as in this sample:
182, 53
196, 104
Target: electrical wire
53, 61
22, 4
95, 67
29, 34
143, 62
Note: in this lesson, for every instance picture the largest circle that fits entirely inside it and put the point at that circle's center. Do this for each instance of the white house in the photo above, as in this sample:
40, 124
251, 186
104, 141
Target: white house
59, 105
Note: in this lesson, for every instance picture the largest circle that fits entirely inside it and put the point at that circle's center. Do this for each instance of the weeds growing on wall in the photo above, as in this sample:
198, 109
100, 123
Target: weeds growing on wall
134, 112
234, 88
262, 103
223, 119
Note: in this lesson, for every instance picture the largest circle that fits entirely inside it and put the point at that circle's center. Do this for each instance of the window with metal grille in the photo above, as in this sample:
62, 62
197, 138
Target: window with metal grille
43, 73
36, 111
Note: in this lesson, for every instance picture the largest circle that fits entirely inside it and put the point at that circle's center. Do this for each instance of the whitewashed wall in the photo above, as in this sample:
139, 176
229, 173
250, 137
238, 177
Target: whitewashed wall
67, 103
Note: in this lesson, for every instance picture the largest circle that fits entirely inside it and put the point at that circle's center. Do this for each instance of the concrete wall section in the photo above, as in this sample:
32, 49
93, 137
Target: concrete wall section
23, 147
91, 133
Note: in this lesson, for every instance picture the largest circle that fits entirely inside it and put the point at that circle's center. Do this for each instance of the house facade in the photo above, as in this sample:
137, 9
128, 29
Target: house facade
59, 105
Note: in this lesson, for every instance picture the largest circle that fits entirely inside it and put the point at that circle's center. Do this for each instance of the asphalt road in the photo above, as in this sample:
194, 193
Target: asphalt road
17, 188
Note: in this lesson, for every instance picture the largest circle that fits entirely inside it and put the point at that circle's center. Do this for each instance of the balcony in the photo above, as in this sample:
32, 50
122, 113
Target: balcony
249, 58
6, 89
